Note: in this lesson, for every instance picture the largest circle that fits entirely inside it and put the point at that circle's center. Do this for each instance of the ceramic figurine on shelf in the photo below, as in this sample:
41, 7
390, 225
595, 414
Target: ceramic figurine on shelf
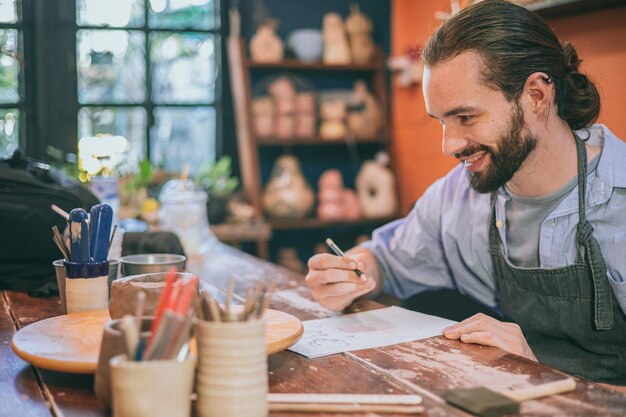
287, 195
333, 120
265, 45
263, 114
364, 118
336, 46
306, 120
359, 28
335, 201
376, 188
284, 95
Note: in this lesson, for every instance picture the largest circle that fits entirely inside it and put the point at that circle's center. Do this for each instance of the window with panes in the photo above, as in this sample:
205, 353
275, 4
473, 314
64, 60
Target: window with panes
146, 81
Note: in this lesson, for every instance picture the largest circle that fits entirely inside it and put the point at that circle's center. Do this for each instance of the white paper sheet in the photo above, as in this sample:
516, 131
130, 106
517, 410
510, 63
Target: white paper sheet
369, 329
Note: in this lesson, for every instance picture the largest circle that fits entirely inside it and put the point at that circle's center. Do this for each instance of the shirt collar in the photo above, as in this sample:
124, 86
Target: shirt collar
609, 172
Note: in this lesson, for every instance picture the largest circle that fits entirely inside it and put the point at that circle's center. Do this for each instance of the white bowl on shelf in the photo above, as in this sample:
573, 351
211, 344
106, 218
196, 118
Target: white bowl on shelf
306, 44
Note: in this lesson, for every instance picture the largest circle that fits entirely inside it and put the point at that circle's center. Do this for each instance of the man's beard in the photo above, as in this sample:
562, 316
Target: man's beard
513, 149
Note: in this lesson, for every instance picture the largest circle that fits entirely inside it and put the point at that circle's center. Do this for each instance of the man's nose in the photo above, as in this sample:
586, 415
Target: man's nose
452, 141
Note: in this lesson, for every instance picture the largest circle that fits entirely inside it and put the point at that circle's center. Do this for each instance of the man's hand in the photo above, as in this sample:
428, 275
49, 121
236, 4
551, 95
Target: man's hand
333, 282
484, 330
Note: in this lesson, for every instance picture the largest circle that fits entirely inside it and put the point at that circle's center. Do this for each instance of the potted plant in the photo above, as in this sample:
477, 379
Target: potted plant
216, 178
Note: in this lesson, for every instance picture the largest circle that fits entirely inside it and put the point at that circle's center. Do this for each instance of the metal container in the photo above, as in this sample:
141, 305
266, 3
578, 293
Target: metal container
149, 263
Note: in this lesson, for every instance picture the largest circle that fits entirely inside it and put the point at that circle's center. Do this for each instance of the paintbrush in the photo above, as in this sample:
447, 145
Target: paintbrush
487, 403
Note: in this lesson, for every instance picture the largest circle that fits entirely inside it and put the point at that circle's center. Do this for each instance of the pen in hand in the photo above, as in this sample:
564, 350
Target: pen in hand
339, 252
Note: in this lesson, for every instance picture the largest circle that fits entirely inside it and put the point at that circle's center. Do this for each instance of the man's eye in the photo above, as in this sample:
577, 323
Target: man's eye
464, 118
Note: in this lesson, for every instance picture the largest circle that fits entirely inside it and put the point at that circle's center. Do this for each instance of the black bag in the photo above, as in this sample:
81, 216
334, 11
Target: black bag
27, 190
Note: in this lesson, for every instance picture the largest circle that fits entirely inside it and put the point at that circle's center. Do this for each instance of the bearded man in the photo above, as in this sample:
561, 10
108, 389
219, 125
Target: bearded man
532, 222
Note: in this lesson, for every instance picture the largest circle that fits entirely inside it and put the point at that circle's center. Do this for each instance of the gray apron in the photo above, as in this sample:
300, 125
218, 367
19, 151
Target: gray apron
569, 316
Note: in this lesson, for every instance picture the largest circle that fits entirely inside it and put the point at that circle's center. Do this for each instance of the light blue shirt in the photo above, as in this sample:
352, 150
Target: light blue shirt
443, 241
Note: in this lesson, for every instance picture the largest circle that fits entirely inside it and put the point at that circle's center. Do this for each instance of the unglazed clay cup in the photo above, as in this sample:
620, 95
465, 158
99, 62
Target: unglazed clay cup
113, 344
124, 293
154, 388
231, 385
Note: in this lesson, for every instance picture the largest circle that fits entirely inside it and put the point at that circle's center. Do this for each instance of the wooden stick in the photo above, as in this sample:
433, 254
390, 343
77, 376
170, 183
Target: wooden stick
315, 398
141, 299
204, 303
229, 299
65, 255
543, 390
255, 299
185, 172
346, 408
266, 299
214, 308
60, 211
61, 242
111, 239
247, 305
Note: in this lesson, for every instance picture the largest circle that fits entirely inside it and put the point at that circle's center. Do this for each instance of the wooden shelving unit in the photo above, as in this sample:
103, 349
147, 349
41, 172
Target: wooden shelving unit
314, 223
241, 68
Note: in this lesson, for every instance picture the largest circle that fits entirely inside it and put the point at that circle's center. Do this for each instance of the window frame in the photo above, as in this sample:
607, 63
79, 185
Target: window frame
50, 101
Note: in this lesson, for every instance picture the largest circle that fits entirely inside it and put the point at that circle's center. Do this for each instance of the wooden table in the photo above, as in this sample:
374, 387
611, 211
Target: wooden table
426, 367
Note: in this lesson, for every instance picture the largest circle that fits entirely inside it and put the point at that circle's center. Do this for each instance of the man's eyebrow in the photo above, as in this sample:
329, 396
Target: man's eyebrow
455, 111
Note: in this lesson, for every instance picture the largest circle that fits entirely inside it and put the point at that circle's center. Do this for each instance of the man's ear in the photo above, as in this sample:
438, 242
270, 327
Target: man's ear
539, 91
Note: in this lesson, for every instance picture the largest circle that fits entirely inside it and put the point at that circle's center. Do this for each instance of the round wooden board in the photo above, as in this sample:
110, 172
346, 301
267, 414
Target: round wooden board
71, 343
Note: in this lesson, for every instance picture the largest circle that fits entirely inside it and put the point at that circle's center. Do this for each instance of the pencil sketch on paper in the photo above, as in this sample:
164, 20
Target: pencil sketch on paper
365, 330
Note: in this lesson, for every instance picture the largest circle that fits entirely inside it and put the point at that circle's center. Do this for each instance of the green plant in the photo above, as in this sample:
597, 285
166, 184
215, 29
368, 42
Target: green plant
217, 177
140, 179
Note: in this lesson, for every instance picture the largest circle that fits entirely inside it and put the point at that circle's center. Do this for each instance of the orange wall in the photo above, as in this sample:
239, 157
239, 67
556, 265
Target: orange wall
599, 38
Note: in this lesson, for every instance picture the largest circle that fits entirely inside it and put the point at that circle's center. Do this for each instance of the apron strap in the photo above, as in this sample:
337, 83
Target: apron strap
589, 248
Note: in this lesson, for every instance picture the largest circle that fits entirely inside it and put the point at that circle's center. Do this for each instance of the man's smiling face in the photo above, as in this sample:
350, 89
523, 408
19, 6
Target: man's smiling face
481, 128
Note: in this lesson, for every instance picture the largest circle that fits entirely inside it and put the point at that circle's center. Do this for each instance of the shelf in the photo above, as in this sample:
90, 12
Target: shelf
555, 8
315, 223
295, 64
316, 142
235, 233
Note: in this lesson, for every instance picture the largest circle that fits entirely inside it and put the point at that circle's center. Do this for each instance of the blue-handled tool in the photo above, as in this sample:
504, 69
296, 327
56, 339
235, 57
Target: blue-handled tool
79, 235
93, 225
100, 220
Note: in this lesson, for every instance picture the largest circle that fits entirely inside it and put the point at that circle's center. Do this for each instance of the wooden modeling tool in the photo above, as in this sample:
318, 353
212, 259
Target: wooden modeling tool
345, 403
79, 234
487, 403
60, 211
